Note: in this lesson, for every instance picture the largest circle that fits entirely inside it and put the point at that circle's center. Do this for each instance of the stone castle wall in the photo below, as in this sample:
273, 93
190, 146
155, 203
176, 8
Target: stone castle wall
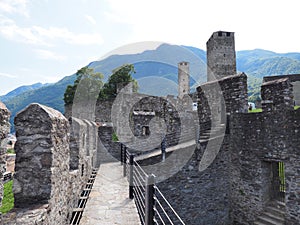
217, 99
4, 130
237, 186
54, 159
260, 140
295, 81
200, 193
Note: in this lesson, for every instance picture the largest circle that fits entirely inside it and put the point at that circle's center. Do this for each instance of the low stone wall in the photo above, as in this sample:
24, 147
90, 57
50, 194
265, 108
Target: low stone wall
108, 150
200, 198
4, 130
53, 162
42, 161
294, 80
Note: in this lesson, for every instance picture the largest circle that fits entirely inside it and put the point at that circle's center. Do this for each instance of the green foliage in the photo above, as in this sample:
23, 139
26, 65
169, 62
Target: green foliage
10, 151
254, 85
114, 137
86, 87
242, 192
260, 63
255, 110
8, 198
120, 78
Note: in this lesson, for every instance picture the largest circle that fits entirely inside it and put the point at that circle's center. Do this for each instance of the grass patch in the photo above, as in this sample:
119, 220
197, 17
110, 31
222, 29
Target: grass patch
260, 110
114, 137
255, 110
10, 151
8, 199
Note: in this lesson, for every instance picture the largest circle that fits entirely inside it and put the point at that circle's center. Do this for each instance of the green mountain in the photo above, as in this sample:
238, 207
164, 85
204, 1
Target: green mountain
156, 73
50, 95
260, 63
21, 90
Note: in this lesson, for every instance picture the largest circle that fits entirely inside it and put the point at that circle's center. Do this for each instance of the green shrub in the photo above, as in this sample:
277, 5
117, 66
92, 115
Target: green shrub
8, 198
10, 151
255, 110
114, 137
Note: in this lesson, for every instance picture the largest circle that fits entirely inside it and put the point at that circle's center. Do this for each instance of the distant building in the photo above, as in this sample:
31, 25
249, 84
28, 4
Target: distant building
221, 57
183, 79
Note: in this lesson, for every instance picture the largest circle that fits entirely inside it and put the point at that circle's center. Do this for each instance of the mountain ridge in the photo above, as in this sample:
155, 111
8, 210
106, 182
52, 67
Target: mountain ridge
161, 64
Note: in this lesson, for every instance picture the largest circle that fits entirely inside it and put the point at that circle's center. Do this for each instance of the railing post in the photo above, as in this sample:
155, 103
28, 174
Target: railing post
131, 158
227, 130
124, 160
149, 200
121, 156
197, 135
163, 149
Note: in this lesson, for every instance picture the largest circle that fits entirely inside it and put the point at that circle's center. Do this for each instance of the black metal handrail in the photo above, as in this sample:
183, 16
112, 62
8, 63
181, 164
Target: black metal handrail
152, 205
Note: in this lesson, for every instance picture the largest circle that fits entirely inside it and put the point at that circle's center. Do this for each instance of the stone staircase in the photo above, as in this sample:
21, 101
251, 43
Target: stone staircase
208, 134
272, 215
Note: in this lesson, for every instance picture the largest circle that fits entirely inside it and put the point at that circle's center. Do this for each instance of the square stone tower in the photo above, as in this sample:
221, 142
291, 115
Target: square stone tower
183, 79
221, 58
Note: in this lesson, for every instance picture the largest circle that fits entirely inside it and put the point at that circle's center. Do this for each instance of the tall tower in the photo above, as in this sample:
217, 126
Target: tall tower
221, 59
183, 79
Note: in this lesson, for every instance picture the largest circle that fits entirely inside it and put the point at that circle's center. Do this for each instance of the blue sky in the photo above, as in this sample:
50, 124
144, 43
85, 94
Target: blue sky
45, 40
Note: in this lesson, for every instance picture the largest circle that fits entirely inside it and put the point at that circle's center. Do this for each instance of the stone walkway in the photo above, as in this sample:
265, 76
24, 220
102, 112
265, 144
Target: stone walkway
108, 202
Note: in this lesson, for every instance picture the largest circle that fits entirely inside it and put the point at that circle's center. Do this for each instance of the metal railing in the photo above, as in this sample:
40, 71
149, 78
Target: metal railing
152, 205
78, 211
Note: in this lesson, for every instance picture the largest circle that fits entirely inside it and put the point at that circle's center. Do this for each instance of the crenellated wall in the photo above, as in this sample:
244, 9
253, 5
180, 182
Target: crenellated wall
258, 142
220, 97
53, 162
239, 183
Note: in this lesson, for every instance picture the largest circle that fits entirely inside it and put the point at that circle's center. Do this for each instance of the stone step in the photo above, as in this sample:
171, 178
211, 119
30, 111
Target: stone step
204, 140
267, 220
279, 204
276, 211
214, 132
204, 136
276, 217
258, 223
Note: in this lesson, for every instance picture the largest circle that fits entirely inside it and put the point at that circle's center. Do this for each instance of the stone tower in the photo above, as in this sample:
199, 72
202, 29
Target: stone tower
221, 59
183, 79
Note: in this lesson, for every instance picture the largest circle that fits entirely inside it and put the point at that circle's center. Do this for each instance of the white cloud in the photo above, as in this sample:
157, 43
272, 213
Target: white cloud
46, 54
91, 19
45, 36
11, 31
191, 22
15, 6
7, 75
63, 34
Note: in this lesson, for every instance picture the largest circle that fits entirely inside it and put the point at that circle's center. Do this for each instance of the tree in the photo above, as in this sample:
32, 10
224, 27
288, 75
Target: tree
120, 78
86, 87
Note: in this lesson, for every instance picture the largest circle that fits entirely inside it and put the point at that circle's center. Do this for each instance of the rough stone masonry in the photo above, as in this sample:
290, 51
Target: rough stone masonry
4, 130
53, 163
